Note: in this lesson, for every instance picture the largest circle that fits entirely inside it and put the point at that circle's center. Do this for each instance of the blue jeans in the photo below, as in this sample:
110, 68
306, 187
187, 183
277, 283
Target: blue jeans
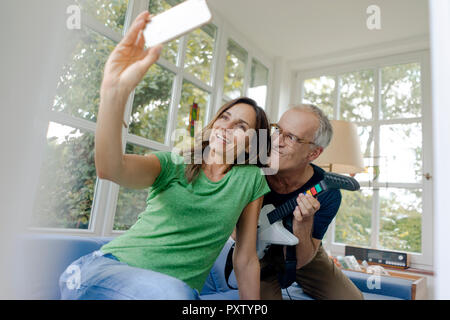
98, 277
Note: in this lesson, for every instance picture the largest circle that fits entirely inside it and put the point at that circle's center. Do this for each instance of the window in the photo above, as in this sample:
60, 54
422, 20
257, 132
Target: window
191, 70
191, 94
67, 184
234, 70
67, 179
385, 101
319, 91
170, 50
151, 104
199, 52
110, 13
75, 93
130, 202
258, 83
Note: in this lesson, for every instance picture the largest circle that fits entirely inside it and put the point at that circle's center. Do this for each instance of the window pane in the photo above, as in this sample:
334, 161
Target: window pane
131, 202
78, 88
401, 93
357, 92
258, 83
319, 91
191, 94
151, 104
199, 52
353, 220
67, 179
234, 70
401, 219
111, 13
170, 49
367, 142
401, 153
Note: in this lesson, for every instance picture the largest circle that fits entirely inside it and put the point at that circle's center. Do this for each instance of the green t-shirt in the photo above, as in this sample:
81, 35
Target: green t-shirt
185, 225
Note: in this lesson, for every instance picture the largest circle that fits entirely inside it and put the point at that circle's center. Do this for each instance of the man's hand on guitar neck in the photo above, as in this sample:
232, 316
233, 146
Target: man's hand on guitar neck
306, 207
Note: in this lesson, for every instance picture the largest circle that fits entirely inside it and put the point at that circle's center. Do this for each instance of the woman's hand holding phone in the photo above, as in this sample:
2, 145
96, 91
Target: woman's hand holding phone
129, 61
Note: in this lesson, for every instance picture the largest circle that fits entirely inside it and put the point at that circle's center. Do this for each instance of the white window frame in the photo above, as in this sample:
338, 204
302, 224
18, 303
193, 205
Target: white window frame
422, 260
229, 32
106, 193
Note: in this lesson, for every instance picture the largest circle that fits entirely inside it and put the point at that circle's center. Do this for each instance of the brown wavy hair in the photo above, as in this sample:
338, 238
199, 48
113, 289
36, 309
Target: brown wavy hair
201, 140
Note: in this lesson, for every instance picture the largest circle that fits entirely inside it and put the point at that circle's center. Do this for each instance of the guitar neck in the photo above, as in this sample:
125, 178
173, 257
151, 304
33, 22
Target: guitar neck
288, 207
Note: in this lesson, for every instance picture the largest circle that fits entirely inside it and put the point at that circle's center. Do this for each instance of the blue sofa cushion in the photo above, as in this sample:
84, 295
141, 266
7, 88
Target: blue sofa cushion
45, 256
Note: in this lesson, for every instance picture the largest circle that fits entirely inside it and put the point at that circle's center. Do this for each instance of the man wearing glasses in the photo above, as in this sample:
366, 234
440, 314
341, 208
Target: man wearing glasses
298, 139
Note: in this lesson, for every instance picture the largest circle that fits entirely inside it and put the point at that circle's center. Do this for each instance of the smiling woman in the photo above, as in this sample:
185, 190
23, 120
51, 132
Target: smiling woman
169, 251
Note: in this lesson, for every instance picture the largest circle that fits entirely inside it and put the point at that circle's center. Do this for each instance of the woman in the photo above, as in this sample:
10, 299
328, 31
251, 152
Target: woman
192, 208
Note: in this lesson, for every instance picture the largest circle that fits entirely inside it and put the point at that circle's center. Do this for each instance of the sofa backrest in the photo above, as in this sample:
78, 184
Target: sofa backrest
381, 285
44, 257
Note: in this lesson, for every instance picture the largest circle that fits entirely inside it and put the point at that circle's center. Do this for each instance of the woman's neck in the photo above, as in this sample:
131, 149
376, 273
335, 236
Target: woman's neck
215, 166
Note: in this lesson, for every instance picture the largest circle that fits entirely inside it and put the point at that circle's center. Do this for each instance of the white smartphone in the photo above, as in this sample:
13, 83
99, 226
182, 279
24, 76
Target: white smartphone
176, 21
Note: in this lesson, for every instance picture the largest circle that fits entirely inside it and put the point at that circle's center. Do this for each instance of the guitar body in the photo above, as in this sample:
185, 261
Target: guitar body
270, 223
274, 233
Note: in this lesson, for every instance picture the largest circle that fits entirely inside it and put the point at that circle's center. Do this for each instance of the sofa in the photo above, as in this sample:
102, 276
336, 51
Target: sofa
43, 257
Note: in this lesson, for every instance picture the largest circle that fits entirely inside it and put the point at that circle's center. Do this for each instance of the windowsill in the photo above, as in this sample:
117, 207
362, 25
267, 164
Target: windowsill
412, 270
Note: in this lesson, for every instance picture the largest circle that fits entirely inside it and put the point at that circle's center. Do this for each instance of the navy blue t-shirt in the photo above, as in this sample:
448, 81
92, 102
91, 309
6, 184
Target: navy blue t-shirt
330, 201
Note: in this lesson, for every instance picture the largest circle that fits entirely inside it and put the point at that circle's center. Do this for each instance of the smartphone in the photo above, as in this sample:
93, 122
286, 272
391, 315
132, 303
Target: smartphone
176, 21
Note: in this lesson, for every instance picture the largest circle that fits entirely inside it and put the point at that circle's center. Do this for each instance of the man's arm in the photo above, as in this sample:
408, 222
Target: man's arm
303, 223
302, 226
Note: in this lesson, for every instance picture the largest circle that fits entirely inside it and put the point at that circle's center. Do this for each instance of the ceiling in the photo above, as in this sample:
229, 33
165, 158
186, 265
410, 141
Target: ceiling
303, 29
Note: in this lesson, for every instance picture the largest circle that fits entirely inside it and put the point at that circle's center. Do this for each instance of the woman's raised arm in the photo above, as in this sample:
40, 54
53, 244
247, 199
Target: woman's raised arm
125, 68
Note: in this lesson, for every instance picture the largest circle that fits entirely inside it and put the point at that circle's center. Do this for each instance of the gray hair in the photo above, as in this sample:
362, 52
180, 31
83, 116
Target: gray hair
324, 133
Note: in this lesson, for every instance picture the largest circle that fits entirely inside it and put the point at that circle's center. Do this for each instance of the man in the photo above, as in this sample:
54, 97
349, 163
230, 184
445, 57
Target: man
298, 139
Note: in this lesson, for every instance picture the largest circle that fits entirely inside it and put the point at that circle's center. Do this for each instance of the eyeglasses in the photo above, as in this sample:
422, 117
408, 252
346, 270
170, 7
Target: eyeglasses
290, 139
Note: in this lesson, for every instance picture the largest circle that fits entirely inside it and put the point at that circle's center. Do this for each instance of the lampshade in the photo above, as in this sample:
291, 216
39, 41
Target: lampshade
343, 155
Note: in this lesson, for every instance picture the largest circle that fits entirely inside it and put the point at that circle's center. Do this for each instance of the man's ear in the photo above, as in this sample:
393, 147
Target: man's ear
315, 153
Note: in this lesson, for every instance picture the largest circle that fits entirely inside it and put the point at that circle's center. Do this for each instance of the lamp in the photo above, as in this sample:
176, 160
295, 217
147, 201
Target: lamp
343, 155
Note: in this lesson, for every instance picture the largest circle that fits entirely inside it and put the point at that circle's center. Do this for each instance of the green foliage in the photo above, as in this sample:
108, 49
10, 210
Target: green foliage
234, 70
318, 91
354, 218
357, 96
401, 91
199, 52
110, 12
78, 89
401, 220
65, 193
151, 104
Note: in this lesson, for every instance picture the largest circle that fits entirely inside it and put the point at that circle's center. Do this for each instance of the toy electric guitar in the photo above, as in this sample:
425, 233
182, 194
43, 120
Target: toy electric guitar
270, 225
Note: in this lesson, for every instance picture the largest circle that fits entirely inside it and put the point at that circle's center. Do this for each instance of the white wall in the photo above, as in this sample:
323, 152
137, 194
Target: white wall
440, 53
281, 89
